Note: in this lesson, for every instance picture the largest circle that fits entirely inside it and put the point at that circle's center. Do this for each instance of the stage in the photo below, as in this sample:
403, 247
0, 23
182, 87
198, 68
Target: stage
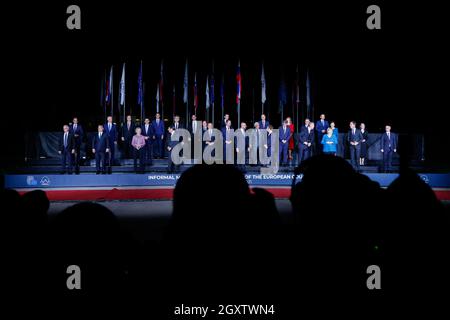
159, 186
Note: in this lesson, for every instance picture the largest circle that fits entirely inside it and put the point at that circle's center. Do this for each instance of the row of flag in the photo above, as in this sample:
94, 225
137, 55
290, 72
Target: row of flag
209, 91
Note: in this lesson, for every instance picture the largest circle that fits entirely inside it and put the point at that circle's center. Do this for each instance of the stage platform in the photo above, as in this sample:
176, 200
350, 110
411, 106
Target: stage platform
154, 186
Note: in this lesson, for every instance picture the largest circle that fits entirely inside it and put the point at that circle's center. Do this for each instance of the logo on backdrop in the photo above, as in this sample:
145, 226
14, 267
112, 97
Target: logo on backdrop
31, 181
45, 181
424, 178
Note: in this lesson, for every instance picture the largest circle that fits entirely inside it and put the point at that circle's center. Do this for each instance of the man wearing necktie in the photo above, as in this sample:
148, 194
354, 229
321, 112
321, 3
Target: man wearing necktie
227, 134
77, 130
388, 148
66, 150
128, 130
354, 138
321, 129
285, 135
158, 136
171, 166
241, 144
263, 123
100, 148
148, 133
111, 132
254, 142
306, 142
194, 128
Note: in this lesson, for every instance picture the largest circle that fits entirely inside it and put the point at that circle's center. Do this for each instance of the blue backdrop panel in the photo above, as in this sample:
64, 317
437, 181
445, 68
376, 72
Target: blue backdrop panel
20, 181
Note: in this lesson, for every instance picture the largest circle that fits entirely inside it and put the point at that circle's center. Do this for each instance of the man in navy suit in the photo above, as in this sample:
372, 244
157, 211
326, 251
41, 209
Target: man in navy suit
147, 132
263, 123
228, 136
111, 131
306, 142
388, 148
285, 135
268, 145
171, 166
77, 130
354, 138
306, 126
321, 128
226, 117
177, 123
128, 129
241, 149
158, 136
66, 150
100, 147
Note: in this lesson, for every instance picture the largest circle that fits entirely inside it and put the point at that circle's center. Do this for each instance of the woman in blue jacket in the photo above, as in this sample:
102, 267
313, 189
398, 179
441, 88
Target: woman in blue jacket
329, 142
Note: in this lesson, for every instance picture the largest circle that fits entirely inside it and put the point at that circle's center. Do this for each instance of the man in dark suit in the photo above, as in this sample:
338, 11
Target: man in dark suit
171, 166
111, 130
147, 132
306, 126
128, 128
388, 148
100, 147
321, 128
228, 136
268, 145
195, 129
78, 134
241, 148
176, 123
158, 136
285, 135
306, 142
354, 138
66, 150
263, 123
254, 141
226, 117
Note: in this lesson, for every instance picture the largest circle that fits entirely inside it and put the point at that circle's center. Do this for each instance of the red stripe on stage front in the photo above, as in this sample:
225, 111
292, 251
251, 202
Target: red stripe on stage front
158, 194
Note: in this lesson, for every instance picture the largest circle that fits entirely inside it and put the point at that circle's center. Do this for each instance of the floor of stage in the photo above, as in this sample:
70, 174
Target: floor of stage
146, 220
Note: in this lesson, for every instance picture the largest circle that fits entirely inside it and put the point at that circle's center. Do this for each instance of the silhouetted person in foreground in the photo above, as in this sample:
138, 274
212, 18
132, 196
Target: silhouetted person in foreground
88, 235
220, 241
333, 239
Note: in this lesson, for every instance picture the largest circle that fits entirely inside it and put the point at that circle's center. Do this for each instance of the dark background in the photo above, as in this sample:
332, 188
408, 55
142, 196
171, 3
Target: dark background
397, 74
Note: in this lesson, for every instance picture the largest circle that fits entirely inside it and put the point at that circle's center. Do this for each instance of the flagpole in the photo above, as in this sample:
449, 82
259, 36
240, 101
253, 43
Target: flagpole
124, 95
112, 92
104, 97
239, 113
253, 105
142, 102
222, 94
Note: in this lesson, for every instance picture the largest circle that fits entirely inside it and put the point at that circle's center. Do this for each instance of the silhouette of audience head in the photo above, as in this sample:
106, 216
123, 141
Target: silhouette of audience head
88, 235
35, 206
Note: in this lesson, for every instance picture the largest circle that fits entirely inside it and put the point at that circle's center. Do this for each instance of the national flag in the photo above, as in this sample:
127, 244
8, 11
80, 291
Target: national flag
174, 99
109, 84
195, 92
297, 86
161, 86
207, 93
122, 87
282, 93
308, 95
212, 87
185, 84
239, 83
263, 85
222, 92
140, 87
157, 97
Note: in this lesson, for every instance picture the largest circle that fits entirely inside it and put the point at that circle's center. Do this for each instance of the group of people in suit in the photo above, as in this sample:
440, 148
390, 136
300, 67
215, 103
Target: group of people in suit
150, 141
